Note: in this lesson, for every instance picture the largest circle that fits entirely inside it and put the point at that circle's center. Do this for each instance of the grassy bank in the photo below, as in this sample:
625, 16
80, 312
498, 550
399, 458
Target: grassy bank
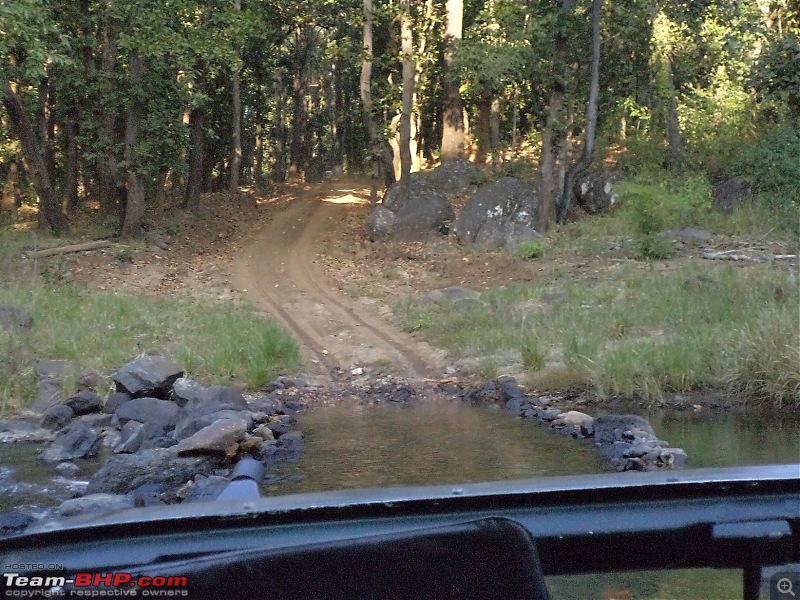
214, 341
634, 329
629, 312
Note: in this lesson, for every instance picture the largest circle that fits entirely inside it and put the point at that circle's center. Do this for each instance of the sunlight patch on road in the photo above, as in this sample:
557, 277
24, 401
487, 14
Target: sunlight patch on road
346, 199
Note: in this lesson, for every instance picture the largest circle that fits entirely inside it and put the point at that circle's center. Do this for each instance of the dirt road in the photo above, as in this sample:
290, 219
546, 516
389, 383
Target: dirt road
278, 269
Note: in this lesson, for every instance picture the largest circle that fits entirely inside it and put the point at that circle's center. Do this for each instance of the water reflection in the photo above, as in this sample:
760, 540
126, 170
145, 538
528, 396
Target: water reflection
352, 446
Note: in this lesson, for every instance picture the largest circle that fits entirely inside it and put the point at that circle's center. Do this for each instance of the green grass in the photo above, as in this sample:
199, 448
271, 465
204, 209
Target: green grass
215, 342
638, 332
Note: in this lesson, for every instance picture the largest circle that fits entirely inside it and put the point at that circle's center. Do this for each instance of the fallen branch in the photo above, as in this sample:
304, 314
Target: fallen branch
69, 249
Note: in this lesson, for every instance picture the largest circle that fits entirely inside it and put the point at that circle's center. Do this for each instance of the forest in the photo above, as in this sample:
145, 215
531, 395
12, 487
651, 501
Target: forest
109, 103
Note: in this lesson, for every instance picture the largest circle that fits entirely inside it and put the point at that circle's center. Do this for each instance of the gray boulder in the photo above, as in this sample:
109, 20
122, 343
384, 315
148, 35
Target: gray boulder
149, 376
131, 437
205, 489
50, 376
114, 401
84, 402
94, 504
23, 429
185, 390
76, 440
14, 317
161, 413
126, 472
613, 428
419, 209
454, 176
214, 439
56, 417
195, 422
507, 208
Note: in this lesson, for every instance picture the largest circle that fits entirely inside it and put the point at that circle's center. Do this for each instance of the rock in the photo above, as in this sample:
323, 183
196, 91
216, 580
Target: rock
115, 400
730, 194
549, 414
23, 429
381, 224
214, 439
299, 381
189, 426
509, 389
50, 375
454, 176
84, 402
594, 190
76, 440
94, 504
57, 417
150, 494
610, 428
96, 420
268, 405
507, 207
47, 394
126, 472
204, 489
150, 376
264, 432
68, 469
223, 397
673, 457
186, 390
111, 438
14, 317
162, 413
14, 521
573, 417
419, 210
689, 235
131, 437
91, 380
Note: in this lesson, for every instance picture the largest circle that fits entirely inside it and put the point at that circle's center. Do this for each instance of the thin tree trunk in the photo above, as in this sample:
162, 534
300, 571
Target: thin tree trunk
365, 85
134, 205
236, 122
673, 122
258, 169
34, 155
194, 185
280, 126
452, 120
305, 41
495, 127
407, 50
109, 178
589, 134
484, 128
71, 166
11, 196
553, 136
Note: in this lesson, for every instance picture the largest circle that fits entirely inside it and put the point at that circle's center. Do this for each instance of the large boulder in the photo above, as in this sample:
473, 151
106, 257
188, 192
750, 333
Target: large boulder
506, 209
50, 375
126, 472
454, 176
76, 440
594, 190
148, 376
161, 413
419, 210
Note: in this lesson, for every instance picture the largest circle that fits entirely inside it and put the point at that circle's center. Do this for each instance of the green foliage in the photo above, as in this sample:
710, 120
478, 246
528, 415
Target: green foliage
530, 249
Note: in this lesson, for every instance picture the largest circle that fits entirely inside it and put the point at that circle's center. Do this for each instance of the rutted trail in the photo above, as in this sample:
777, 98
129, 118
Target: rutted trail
278, 270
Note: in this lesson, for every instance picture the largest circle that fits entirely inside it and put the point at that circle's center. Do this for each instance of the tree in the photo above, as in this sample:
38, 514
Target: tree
236, 121
407, 50
452, 111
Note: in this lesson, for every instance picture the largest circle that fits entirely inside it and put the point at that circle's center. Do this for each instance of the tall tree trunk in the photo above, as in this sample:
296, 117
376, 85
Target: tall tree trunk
553, 135
10, 200
589, 134
236, 121
34, 155
194, 184
258, 169
673, 122
109, 179
365, 85
71, 166
452, 121
495, 127
304, 46
484, 127
280, 127
407, 50
134, 204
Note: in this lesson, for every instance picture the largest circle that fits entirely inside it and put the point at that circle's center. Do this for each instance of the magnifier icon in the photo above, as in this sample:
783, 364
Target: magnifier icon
785, 586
